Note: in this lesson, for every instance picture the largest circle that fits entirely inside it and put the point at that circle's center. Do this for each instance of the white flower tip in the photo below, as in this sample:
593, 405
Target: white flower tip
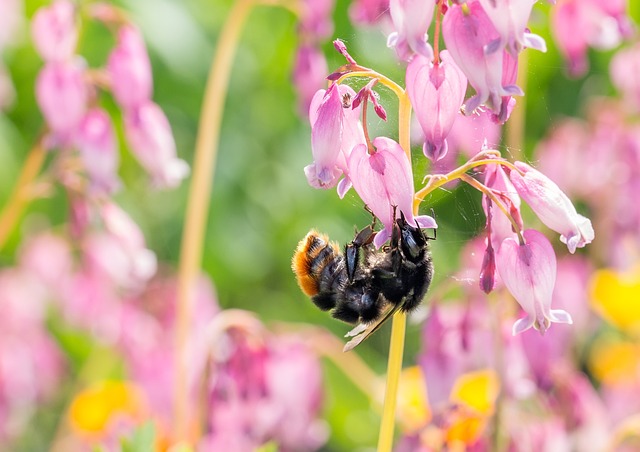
522, 325
560, 316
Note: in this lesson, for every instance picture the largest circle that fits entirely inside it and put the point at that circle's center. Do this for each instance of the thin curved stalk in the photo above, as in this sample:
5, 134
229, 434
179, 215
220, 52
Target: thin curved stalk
206, 151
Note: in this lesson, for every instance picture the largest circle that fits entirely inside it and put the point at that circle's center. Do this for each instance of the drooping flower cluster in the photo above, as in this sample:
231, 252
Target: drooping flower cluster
67, 90
380, 170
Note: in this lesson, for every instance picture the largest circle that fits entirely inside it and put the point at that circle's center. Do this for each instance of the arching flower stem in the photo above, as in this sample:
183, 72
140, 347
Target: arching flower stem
490, 193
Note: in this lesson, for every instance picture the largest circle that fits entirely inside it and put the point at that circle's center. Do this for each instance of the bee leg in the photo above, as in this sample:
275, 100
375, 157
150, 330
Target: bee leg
324, 300
345, 312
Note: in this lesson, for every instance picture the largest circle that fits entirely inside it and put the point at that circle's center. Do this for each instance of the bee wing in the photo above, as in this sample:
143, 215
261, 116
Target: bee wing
363, 330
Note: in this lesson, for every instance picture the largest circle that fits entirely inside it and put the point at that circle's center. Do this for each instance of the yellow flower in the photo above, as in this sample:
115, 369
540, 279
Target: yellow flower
616, 297
475, 395
92, 409
413, 404
615, 360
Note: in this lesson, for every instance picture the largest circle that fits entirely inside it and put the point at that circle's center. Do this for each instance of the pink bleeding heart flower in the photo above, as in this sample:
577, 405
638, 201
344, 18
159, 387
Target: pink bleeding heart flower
579, 24
149, 135
315, 18
553, 206
529, 272
510, 18
384, 181
411, 20
624, 69
96, 142
436, 93
54, 31
468, 34
335, 130
368, 11
309, 72
61, 93
130, 69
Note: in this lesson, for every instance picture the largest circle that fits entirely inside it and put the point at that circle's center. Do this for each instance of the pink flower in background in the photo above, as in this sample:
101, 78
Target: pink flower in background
470, 133
552, 206
31, 365
384, 181
54, 31
36, 257
61, 93
96, 142
467, 36
436, 93
368, 11
529, 272
11, 20
309, 74
261, 388
624, 69
411, 20
122, 251
315, 19
149, 135
129, 69
579, 24
510, 18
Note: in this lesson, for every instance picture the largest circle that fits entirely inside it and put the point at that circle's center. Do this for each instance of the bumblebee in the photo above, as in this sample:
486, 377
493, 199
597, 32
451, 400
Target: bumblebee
361, 284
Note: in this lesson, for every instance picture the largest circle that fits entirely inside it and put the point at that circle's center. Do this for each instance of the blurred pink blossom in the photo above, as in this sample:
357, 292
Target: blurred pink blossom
97, 145
529, 272
148, 132
309, 72
411, 20
121, 252
130, 70
261, 388
30, 363
62, 94
437, 92
579, 24
368, 11
54, 31
316, 21
624, 69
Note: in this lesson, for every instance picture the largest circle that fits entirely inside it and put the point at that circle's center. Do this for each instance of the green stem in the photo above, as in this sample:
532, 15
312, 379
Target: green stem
399, 322
440, 180
206, 151
21, 196
370, 73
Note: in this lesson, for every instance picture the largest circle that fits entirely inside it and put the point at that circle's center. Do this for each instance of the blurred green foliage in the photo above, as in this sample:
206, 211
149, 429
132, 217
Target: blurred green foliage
261, 204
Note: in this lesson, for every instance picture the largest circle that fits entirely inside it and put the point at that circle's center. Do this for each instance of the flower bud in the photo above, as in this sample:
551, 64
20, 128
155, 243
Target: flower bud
97, 145
61, 93
54, 31
130, 69
149, 135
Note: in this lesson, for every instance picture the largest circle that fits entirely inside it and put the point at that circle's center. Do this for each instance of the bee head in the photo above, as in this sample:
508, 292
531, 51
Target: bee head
412, 240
